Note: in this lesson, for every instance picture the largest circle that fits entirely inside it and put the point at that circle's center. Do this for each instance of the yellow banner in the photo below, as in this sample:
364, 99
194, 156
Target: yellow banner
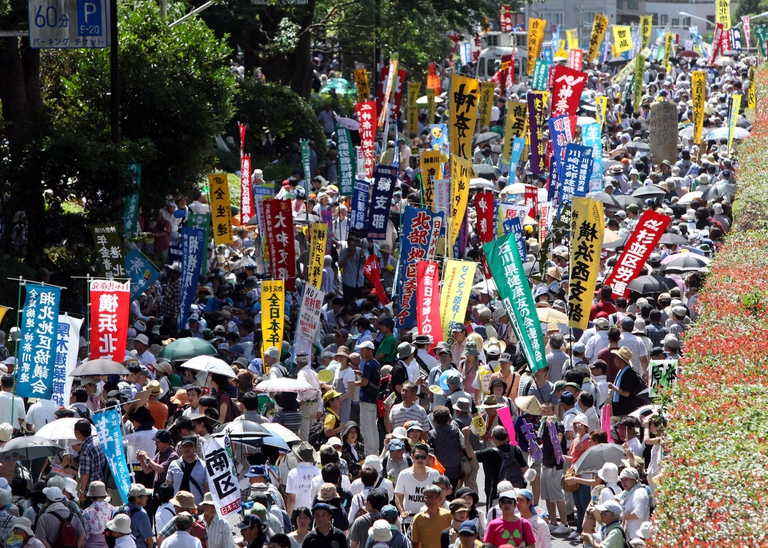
361, 81
599, 26
638, 85
221, 208
751, 96
461, 173
587, 231
723, 13
413, 109
735, 106
622, 38
3, 310
486, 103
699, 97
669, 40
431, 105
317, 239
430, 170
463, 114
601, 102
515, 125
272, 314
454, 296
646, 26
536, 27
573, 38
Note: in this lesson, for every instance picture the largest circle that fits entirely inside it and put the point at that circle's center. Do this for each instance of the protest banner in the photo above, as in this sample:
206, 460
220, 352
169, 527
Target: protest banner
428, 301
507, 75
305, 163
486, 102
454, 297
203, 220
699, 96
280, 238
359, 208
461, 173
515, 124
109, 429
733, 116
110, 250
463, 100
67, 347
272, 313
141, 272
587, 228
646, 26
572, 36
622, 38
430, 170
37, 350
366, 115
346, 164
391, 90
537, 101
192, 244
384, 181
536, 29
745, 20
309, 313
361, 83
597, 36
484, 206
663, 375
413, 109
717, 37
433, 78
318, 237
131, 212
591, 137
723, 13
639, 75
559, 136
431, 104
577, 168
663, 132
246, 190
110, 309
221, 209
372, 272
222, 476
540, 79
505, 18
575, 59
761, 37
515, 226
751, 95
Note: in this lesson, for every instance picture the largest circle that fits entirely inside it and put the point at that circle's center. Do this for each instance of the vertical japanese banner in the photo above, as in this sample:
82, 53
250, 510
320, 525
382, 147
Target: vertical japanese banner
443, 196
514, 126
716, 39
361, 82
587, 227
221, 209
591, 137
413, 109
622, 38
540, 79
272, 313
575, 59
110, 250
537, 124
463, 101
372, 272
192, 244
131, 213
203, 220
430, 170
733, 117
366, 115
141, 272
761, 37
601, 104
699, 96
536, 29
305, 163
359, 208
246, 190
639, 74
317, 242
67, 347
646, 26
559, 136
723, 13
280, 238
572, 36
461, 173
566, 91
486, 103
418, 232
747, 31
518, 144
505, 18
669, 43
433, 78
484, 205
454, 297
309, 313
507, 268
431, 105
108, 424
345, 160
391, 81
507, 75
596, 38
243, 129
110, 308
37, 351
222, 476
638, 248
751, 95
578, 161
384, 181
515, 227
428, 300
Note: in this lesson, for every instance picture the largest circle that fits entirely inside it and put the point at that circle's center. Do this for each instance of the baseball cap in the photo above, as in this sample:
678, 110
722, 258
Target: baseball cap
396, 445
257, 471
610, 506
163, 436
249, 520
468, 527
366, 344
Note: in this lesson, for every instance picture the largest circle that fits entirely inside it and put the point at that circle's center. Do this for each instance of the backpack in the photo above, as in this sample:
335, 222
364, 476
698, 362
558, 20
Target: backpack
317, 435
510, 469
67, 537
5, 529
626, 543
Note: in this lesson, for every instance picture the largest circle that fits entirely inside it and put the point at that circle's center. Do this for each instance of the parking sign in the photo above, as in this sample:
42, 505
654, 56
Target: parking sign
62, 24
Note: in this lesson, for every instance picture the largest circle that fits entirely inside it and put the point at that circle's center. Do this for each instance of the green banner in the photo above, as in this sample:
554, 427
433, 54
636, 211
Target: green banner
109, 249
507, 269
638, 83
202, 220
762, 36
541, 75
305, 164
346, 161
131, 213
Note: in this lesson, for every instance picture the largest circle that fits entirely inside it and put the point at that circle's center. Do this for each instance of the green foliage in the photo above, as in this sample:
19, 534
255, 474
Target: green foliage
341, 105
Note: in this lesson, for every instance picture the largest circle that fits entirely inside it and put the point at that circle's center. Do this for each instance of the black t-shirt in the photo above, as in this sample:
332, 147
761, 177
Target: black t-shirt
335, 539
399, 377
547, 449
491, 461
629, 382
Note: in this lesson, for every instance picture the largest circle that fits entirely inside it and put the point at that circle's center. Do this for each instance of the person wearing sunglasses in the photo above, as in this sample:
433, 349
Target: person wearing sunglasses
412, 482
509, 528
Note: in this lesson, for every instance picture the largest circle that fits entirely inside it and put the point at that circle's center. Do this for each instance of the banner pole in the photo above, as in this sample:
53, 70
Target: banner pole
18, 321
88, 313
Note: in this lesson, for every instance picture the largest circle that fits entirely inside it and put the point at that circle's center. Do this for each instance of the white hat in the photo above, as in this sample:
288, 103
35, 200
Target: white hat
121, 524
646, 530
334, 441
23, 524
6, 432
373, 461
53, 494
366, 344
609, 473
140, 326
272, 352
381, 531
581, 418
70, 486
610, 506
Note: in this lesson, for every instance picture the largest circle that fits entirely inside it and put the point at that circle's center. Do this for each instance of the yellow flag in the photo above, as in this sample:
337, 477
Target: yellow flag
561, 52
463, 114
318, 237
221, 209
454, 296
622, 38
536, 27
486, 103
431, 105
669, 40
461, 173
646, 25
751, 97
699, 97
723, 13
587, 239
413, 109
601, 102
573, 38
735, 106
515, 125
3, 310
361, 81
599, 26
430, 170
272, 314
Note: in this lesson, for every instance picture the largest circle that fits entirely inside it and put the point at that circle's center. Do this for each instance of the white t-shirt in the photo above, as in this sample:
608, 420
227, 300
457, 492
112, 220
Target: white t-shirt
318, 482
637, 503
300, 484
41, 413
540, 532
345, 377
7, 400
413, 490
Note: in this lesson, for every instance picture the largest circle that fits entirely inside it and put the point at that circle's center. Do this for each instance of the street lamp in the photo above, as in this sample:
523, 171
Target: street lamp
751, 18
686, 14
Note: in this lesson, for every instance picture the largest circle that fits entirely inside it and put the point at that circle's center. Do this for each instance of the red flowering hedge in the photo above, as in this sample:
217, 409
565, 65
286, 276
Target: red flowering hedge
714, 486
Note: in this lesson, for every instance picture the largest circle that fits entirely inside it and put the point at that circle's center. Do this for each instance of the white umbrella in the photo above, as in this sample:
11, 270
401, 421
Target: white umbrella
584, 120
281, 431
211, 365
721, 133
688, 198
98, 368
283, 385
60, 429
423, 101
516, 188
490, 285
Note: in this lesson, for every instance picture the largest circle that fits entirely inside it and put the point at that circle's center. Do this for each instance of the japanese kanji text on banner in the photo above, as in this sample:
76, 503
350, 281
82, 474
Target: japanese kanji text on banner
587, 227
110, 308
39, 330
222, 476
272, 313
221, 208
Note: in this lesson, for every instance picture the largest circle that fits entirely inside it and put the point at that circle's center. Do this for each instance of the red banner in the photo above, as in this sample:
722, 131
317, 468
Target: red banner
373, 273
575, 59
428, 296
398, 88
566, 90
366, 115
433, 79
242, 128
532, 201
505, 18
716, 43
280, 240
485, 207
246, 191
638, 248
110, 308
507, 67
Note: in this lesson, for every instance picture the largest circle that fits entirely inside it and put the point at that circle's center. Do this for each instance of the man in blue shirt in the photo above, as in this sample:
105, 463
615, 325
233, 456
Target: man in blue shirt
369, 385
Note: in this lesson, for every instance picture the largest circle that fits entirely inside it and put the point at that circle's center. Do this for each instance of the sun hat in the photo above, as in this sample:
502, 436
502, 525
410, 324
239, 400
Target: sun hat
490, 402
304, 451
96, 489
380, 531
396, 445
629, 473
609, 473
53, 494
528, 404
120, 524
610, 506
23, 524
581, 418
330, 395
207, 499
404, 350
623, 353
183, 499
327, 492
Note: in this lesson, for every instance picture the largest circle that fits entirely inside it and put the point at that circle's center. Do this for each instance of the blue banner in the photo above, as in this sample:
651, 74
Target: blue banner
109, 430
560, 135
553, 189
591, 137
518, 143
141, 272
359, 206
192, 244
39, 330
577, 167
517, 229
384, 179
420, 232
131, 213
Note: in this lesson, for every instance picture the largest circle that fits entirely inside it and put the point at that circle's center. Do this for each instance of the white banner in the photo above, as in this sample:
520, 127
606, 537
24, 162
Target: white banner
67, 347
309, 313
222, 477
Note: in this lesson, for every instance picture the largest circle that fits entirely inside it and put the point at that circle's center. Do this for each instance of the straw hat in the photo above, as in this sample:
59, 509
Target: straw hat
528, 404
184, 499
623, 353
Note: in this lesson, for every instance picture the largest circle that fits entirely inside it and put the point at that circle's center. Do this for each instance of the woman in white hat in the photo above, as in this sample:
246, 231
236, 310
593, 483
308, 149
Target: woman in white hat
119, 528
96, 516
23, 527
606, 489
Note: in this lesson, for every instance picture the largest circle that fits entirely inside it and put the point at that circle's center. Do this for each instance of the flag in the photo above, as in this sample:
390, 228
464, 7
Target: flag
37, 347
108, 424
622, 38
309, 313
733, 118
591, 137
67, 348
577, 169
131, 212
646, 26
457, 285
317, 242
699, 97
428, 300
372, 272
366, 115
484, 205
723, 13
385, 178
246, 190
141, 272
461, 172
596, 38
109, 249
361, 82
587, 227
192, 244
537, 101
280, 240
430, 170
486, 102
110, 309
413, 108
272, 314
536, 29
463, 100
345, 160
221, 209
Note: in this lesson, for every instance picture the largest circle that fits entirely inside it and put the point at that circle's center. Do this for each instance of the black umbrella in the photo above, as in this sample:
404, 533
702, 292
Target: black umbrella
487, 136
672, 239
718, 190
648, 191
687, 262
29, 448
624, 200
609, 200
650, 285
638, 146
487, 172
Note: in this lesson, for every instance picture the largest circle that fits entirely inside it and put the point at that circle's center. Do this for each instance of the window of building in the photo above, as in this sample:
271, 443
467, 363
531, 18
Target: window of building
663, 19
675, 22
633, 4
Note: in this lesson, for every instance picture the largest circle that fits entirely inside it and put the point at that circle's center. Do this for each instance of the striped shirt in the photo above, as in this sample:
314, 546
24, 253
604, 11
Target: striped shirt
399, 415
92, 460
219, 534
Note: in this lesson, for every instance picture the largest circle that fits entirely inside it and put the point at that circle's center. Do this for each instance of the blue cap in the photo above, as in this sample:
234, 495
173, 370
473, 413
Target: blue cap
396, 445
567, 397
322, 506
389, 513
468, 527
257, 471
249, 520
